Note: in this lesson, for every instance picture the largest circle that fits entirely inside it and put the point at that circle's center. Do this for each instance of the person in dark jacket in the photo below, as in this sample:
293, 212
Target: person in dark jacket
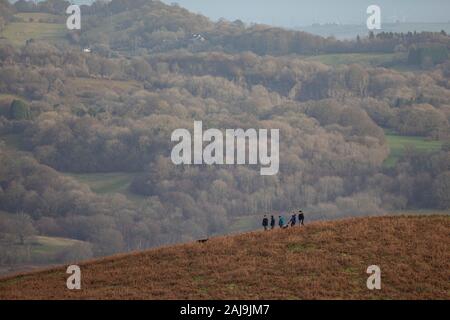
301, 217
293, 220
272, 222
265, 223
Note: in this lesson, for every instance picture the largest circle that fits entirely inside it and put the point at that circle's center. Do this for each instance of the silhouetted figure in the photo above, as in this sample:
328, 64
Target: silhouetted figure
265, 223
301, 218
272, 222
281, 222
293, 220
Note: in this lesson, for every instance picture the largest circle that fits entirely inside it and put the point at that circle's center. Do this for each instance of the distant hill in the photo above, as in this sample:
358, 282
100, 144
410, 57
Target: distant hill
349, 31
79, 2
321, 260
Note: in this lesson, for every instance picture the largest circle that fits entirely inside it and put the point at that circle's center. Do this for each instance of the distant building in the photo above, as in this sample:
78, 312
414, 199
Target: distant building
87, 50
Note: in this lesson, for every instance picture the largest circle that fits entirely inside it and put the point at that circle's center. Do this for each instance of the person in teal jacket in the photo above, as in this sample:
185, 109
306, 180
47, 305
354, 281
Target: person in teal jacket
280, 221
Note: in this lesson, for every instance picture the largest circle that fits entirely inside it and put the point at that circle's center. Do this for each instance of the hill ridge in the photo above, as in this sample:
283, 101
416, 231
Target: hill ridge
325, 259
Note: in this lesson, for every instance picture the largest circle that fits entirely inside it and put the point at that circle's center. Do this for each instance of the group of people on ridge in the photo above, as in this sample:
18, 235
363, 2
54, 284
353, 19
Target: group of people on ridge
292, 221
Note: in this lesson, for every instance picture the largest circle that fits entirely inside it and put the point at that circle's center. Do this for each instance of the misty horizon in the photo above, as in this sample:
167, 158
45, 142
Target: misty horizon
348, 12
283, 12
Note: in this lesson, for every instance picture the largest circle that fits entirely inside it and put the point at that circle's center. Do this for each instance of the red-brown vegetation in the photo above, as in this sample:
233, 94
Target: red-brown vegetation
319, 261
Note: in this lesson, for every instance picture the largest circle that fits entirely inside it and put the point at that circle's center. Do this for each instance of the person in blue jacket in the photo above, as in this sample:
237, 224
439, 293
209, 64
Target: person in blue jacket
281, 222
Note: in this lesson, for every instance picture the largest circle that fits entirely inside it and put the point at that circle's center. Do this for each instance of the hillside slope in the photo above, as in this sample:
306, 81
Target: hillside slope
321, 260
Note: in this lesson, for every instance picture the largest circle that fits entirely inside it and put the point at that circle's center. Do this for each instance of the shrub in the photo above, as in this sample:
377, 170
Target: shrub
19, 110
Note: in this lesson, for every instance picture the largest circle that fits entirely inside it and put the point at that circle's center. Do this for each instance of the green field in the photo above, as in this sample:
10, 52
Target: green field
19, 32
398, 144
110, 183
39, 251
42, 247
105, 183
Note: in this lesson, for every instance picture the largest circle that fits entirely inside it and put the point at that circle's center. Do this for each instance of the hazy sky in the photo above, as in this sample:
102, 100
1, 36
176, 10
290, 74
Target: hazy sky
290, 13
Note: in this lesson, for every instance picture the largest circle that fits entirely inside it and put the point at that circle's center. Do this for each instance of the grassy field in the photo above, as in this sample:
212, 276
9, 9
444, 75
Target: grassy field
323, 260
85, 85
19, 32
40, 251
104, 183
114, 85
419, 212
110, 183
397, 145
48, 247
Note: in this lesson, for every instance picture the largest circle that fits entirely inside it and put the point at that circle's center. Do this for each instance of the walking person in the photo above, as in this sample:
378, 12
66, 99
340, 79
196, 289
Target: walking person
265, 223
293, 220
301, 218
272, 222
281, 222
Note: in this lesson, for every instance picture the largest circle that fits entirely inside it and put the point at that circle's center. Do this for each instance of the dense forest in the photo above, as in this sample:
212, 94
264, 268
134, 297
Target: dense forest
153, 68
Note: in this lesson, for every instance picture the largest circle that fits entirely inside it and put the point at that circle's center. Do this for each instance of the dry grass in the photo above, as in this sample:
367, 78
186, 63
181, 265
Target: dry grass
90, 84
322, 260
